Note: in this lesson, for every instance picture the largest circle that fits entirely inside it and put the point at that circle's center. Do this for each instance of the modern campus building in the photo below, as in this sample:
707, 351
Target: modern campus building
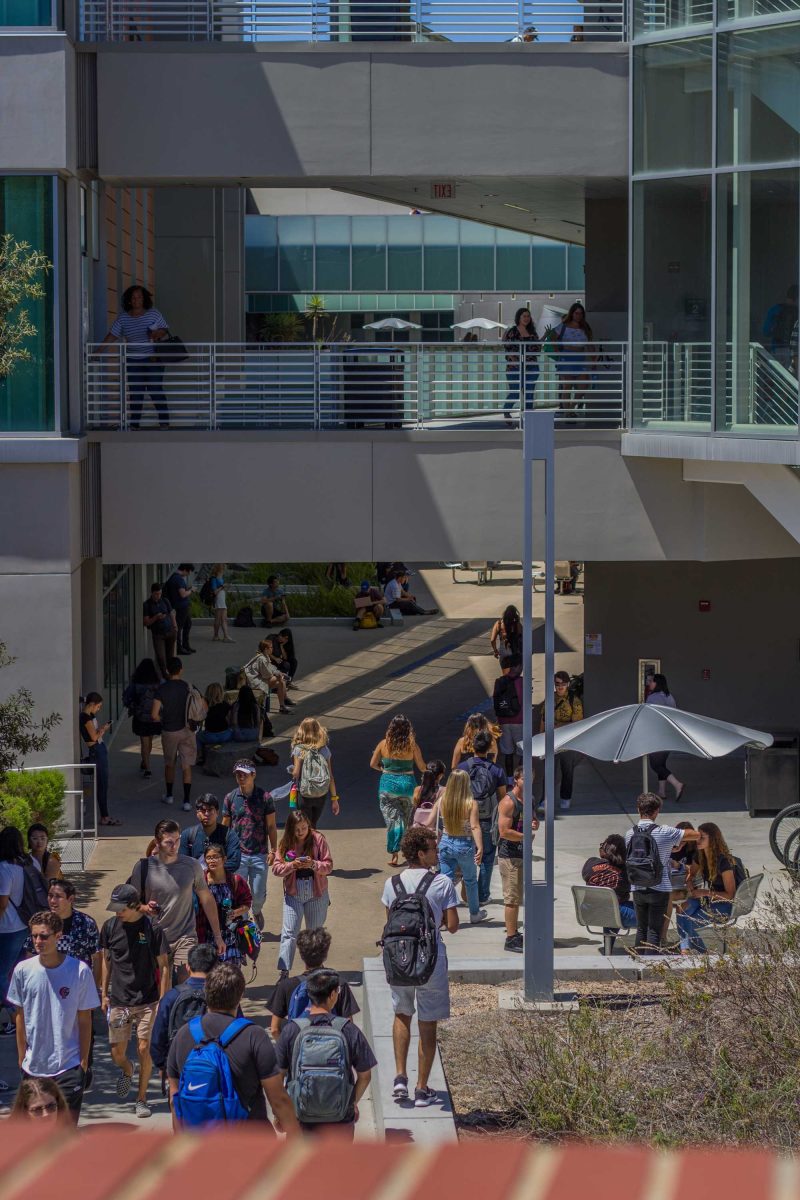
432, 162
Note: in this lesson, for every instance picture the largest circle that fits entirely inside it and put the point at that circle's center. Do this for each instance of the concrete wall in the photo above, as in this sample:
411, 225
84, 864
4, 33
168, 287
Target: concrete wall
37, 103
267, 117
645, 610
423, 496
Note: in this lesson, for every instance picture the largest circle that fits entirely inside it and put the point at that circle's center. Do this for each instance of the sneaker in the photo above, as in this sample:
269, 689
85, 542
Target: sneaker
514, 943
8, 1029
400, 1087
260, 921
167, 800
142, 1109
147, 774
564, 805
123, 1086
186, 806
231, 641
289, 703
431, 612
424, 1096
480, 915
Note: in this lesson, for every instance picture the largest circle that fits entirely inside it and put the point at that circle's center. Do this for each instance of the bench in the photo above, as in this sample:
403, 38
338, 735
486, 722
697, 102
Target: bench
598, 907
219, 759
563, 574
483, 570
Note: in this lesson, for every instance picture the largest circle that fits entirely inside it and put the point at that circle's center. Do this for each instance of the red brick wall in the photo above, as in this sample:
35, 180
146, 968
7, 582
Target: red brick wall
129, 242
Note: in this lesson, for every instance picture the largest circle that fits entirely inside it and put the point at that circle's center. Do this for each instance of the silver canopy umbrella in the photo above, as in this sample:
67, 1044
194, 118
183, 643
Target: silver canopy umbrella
634, 730
478, 323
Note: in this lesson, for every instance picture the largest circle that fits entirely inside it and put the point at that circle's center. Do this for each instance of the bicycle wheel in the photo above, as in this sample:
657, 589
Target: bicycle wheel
791, 853
781, 829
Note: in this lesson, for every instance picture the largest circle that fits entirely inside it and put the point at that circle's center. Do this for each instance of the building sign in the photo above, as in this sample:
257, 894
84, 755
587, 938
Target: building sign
443, 191
593, 643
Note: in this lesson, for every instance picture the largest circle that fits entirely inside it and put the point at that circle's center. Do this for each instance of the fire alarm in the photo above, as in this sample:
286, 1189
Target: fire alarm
706, 673
704, 605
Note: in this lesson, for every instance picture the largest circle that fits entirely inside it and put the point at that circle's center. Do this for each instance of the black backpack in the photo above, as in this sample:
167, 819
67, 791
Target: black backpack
483, 787
410, 937
34, 894
642, 859
505, 698
190, 1002
207, 594
244, 618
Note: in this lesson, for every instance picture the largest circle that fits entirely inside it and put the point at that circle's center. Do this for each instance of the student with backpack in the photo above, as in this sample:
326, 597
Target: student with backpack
138, 698
648, 847
507, 703
290, 994
312, 769
327, 1060
22, 893
488, 784
177, 1007
418, 902
220, 1065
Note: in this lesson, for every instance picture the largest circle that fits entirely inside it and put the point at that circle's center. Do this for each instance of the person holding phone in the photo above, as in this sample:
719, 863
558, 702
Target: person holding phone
303, 861
92, 735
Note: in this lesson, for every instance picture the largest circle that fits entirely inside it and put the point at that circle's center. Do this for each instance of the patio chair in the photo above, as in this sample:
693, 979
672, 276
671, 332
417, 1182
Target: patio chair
599, 907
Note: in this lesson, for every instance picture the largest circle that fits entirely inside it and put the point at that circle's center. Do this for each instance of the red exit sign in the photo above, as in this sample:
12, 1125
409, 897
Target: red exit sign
443, 191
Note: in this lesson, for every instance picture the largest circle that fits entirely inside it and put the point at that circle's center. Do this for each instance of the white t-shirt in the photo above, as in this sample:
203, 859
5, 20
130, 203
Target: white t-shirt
50, 999
441, 894
12, 881
392, 591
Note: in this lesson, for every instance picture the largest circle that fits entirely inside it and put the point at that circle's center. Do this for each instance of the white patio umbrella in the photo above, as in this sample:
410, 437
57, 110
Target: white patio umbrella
392, 324
478, 323
629, 732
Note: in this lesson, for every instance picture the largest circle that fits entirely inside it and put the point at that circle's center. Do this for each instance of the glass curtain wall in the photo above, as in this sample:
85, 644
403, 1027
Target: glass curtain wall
119, 624
715, 220
27, 393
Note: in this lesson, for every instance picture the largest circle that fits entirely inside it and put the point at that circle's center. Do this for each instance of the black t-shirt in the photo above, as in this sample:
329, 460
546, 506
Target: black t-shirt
283, 991
217, 718
162, 609
134, 947
83, 720
507, 849
724, 863
250, 1054
361, 1055
599, 873
174, 696
173, 587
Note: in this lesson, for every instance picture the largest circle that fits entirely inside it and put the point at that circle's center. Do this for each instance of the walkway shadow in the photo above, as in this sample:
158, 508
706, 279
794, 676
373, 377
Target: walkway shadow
360, 873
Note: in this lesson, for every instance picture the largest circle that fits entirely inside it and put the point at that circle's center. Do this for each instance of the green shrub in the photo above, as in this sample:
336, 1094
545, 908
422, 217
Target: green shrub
29, 796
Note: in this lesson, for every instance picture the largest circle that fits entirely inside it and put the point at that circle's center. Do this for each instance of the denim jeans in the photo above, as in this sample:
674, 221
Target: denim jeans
628, 914
213, 739
513, 381
487, 863
146, 376
460, 852
695, 914
253, 870
98, 754
10, 950
295, 908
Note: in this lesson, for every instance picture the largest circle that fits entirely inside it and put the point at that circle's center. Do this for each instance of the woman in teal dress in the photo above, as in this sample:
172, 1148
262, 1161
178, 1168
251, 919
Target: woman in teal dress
395, 758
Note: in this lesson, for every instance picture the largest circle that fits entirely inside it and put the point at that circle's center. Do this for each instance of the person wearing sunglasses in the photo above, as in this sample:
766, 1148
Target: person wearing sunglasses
39, 1098
568, 707
54, 995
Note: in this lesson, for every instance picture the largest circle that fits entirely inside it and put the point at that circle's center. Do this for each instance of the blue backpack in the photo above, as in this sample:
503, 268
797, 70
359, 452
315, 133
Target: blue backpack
299, 1003
206, 1093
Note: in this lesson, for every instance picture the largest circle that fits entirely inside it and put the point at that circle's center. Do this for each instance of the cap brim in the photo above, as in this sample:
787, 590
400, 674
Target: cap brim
117, 906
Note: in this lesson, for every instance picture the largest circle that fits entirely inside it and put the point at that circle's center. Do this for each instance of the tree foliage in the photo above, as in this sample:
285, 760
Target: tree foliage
20, 733
22, 272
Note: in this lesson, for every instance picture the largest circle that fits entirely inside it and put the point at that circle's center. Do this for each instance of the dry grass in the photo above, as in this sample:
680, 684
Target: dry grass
711, 1055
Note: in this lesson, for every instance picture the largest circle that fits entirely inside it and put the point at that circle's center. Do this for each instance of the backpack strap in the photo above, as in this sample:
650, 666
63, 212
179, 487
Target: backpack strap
144, 867
302, 1023
233, 1030
424, 883
399, 889
196, 1030
339, 1023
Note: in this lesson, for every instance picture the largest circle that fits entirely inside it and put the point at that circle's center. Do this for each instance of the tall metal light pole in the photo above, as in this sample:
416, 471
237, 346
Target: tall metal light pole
538, 443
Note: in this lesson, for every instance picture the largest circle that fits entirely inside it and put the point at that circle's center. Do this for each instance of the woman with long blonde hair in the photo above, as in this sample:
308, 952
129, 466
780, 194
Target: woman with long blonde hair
216, 727
465, 746
312, 769
220, 603
461, 843
395, 757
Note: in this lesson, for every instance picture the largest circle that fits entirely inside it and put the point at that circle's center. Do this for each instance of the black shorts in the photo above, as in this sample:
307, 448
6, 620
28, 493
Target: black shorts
146, 728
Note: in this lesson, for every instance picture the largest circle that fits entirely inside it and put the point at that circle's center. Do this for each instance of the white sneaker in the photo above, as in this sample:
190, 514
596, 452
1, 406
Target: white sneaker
565, 804
167, 800
480, 915
186, 806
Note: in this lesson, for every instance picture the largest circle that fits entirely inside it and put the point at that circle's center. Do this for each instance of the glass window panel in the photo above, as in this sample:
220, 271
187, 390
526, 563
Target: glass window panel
672, 302
759, 95
404, 231
27, 394
576, 276
369, 253
261, 254
405, 266
440, 237
731, 10
477, 257
549, 267
332, 266
672, 105
675, 14
296, 253
513, 268
757, 283
26, 12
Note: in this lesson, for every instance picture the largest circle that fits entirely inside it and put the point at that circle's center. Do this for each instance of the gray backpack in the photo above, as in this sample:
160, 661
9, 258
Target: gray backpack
315, 775
321, 1076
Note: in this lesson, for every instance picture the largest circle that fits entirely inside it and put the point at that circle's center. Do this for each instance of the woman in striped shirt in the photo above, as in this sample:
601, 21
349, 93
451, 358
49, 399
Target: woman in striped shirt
141, 325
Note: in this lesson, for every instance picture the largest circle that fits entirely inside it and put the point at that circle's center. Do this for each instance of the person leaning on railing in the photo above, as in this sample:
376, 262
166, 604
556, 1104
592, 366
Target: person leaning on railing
141, 326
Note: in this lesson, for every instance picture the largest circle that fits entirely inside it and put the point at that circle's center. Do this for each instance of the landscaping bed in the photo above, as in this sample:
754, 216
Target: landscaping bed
704, 1056
317, 599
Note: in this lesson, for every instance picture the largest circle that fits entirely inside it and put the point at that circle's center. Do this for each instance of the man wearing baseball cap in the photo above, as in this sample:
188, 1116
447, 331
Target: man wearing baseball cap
397, 596
133, 950
368, 599
250, 812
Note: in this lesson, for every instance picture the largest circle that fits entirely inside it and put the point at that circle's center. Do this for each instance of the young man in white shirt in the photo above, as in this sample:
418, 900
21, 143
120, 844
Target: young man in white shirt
650, 903
432, 999
396, 596
54, 995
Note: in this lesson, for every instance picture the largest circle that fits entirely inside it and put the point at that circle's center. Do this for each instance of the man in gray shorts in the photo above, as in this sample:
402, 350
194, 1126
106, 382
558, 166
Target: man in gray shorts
433, 998
167, 883
178, 741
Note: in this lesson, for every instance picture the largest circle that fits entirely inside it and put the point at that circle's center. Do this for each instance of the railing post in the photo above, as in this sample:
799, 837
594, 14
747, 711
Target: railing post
212, 386
123, 383
316, 383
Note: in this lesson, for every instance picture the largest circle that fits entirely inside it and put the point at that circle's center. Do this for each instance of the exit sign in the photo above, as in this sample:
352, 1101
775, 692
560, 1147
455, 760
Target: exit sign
443, 191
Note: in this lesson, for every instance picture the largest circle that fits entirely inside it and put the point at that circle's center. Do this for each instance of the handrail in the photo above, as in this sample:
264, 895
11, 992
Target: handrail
77, 838
348, 385
524, 21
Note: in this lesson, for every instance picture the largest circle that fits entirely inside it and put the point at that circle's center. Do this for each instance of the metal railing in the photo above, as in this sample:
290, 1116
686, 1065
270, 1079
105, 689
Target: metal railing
528, 21
76, 838
418, 385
